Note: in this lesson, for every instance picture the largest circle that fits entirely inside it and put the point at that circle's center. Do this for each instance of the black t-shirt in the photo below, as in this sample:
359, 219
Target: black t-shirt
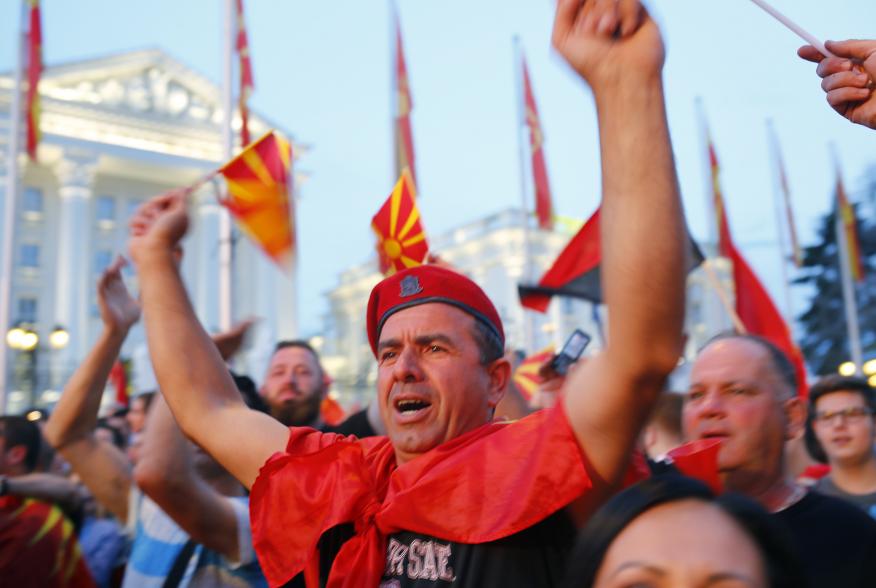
532, 558
356, 424
836, 542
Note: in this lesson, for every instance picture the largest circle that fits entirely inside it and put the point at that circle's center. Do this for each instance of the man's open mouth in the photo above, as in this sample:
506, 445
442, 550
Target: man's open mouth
407, 406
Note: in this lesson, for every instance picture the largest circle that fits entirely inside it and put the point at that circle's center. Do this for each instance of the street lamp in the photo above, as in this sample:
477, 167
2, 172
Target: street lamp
59, 337
847, 368
23, 338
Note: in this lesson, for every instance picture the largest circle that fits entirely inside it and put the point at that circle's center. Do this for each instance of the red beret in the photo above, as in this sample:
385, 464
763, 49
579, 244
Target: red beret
424, 284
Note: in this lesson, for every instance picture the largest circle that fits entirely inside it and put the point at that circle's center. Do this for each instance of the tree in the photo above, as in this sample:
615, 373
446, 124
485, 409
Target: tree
825, 342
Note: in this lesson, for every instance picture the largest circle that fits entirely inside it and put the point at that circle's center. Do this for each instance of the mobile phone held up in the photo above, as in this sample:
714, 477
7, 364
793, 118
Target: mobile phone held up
571, 351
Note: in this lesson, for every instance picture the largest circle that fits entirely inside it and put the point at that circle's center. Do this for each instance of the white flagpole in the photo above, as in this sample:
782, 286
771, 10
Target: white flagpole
528, 326
393, 89
715, 308
849, 302
780, 204
225, 244
12, 175
794, 27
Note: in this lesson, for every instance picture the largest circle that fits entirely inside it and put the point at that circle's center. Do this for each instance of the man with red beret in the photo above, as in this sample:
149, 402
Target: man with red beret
450, 498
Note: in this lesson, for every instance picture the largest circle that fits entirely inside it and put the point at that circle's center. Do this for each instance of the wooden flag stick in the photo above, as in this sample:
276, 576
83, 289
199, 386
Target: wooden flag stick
797, 29
715, 283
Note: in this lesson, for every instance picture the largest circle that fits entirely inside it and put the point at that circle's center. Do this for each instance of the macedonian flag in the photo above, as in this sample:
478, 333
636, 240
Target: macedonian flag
526, 375
259, 195
401, 242
34, 70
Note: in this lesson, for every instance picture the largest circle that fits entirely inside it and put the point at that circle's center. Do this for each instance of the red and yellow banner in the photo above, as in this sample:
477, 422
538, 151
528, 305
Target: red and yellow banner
245, 72
725, 242
754, 306
526, 375
796, 251
404, 137
848, 222
34, 70
543, 206
39, 546
401, 242
259, 195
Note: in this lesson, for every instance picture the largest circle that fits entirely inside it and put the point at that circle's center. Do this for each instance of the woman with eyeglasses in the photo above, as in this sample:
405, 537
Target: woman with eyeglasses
841, 431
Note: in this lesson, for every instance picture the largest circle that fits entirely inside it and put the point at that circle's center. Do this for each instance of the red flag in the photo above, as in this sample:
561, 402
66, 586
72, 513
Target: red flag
119, 380
39, 546
34, 69
849, 223
526, 376
332, 412
246, 80
754, 306
259, 195
401, 242
575, 272
404, 138
543, 206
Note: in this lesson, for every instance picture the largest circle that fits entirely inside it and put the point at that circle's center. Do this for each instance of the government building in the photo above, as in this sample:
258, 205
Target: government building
116, 131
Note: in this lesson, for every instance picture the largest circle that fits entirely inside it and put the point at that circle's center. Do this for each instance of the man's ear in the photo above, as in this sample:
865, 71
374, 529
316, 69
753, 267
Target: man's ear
500, 377
795, 413
649, 437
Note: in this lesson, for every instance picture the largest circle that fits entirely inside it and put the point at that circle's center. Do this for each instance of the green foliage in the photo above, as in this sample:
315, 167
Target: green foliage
825, 342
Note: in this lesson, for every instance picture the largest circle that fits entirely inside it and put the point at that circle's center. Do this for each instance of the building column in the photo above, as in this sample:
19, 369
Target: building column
205, 246
75, 173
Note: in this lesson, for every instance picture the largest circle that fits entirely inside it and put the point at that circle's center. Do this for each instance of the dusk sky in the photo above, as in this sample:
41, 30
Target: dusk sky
322, 72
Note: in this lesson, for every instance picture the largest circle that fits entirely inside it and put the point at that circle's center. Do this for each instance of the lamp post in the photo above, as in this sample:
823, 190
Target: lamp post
24, 339
848, 368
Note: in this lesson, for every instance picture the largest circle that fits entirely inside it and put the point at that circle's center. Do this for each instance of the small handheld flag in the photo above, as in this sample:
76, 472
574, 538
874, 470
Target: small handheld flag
401, 242
526, 376
259, 195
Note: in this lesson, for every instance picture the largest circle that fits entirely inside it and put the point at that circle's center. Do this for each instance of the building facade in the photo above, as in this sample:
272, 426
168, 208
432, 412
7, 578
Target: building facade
116, 131
492, 251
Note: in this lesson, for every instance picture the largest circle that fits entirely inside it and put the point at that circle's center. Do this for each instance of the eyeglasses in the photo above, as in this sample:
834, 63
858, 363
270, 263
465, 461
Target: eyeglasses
852, 414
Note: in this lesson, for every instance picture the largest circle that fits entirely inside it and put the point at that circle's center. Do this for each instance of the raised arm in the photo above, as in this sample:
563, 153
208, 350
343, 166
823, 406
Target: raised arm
190, 371
102, 467
617, 49
168, 473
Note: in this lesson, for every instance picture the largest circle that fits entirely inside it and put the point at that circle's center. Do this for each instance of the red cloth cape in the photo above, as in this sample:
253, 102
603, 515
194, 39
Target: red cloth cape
528, 469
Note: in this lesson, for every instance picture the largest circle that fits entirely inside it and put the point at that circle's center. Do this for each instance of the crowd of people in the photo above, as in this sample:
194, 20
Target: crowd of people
446, 478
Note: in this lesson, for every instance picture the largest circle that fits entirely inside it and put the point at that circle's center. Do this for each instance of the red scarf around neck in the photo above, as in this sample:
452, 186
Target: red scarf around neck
525, 471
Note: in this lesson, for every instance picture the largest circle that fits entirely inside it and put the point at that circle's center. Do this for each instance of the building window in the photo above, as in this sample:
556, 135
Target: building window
105, 210
29, 255
32, 204
132, 207
102, 259
27, 310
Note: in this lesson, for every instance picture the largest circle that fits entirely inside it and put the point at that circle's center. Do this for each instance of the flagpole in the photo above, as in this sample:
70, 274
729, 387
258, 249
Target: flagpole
849, 302
713, 309
393, 90
225, 244
710, 188
780, 196
528, 327
11, 195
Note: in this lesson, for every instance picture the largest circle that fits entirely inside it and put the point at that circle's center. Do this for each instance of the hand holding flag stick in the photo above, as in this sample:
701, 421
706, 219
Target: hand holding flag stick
258, 197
